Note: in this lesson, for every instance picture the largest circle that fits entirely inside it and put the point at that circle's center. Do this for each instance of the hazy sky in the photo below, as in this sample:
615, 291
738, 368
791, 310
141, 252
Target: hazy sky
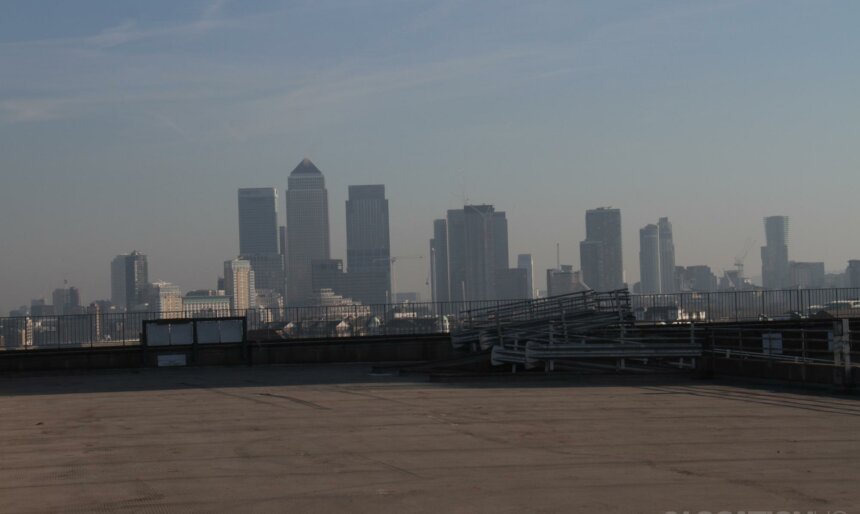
130, 125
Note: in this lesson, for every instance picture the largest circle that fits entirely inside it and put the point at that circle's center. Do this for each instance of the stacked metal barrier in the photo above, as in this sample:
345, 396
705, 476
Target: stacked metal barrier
577, 326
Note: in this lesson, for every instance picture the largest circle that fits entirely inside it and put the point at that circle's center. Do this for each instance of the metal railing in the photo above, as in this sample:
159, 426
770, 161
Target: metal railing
123, 328
110, 329
725, 306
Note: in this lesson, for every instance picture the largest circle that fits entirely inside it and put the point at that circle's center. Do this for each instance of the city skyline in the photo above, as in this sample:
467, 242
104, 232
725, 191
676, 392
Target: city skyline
713, 115
795, 274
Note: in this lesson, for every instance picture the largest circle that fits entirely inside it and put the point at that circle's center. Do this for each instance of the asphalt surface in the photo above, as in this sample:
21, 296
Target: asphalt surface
341, 439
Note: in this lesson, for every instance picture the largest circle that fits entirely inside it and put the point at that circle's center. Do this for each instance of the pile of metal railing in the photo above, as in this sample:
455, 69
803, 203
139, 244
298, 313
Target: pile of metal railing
577, 326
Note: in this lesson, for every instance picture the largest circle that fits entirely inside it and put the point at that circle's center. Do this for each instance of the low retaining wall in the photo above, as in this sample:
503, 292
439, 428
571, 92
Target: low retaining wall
319, 351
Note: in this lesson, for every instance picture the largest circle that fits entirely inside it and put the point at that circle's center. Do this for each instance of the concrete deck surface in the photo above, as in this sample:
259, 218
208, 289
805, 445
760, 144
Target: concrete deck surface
339, 439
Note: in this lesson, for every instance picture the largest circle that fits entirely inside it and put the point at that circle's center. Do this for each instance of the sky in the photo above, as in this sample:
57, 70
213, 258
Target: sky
128, 125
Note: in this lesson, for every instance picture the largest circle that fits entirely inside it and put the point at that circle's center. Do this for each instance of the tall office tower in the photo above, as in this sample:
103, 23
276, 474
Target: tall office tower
649, 259
479, 222
774, 255
600, 252
129, 278
258, 220
282, 249
67, 301
524, 261
439, 262
258, 236
165, 298
457, 255
368, 247
307, 229
852, 273
667, 256
500, 241
239, 285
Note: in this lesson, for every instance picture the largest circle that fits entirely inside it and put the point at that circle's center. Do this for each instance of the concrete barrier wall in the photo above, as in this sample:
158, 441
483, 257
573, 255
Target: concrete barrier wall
371, 349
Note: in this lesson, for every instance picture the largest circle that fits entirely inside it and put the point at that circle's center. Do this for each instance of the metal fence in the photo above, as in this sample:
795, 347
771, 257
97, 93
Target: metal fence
747, 305
123, 328
108, 329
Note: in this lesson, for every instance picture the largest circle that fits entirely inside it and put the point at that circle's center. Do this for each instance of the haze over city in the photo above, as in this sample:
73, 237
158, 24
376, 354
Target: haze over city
131, 126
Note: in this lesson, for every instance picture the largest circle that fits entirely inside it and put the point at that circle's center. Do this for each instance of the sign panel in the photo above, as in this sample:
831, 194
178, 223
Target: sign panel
171, 360
157, 335
208, 332
231, 331
181, 333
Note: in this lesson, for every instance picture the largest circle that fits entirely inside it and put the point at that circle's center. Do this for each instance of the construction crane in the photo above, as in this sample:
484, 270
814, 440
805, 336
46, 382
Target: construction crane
393, 261
741, 257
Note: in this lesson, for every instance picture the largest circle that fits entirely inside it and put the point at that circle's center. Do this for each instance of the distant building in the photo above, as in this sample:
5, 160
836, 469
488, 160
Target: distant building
307, 229
336, 306
368, 247
67, 301
806, 275
563, 281
649, 260
165, 298
258, 236
329, 274
39, 307
667, 256
258, 220
512, 284
206, 303
407, 297
440, 287
480, 252
853, 273
699, 279
600, 252
129, 280
456, 223
239, 285
475, 241
525, 261
833, 280
774, 255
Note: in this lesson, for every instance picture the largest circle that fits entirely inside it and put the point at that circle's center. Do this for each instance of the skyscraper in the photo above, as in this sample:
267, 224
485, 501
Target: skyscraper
524, 261
600, 252
258, 220
439, 261
667, 256
307, 229
500, 241
649, 259
475, 241
774, 255
480, 222
129, 280
67, 301
239, 285
368, 247
457, 254
258, 236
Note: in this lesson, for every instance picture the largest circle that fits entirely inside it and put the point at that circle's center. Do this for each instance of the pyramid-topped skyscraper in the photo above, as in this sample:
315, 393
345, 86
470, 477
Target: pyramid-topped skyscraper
307, 229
